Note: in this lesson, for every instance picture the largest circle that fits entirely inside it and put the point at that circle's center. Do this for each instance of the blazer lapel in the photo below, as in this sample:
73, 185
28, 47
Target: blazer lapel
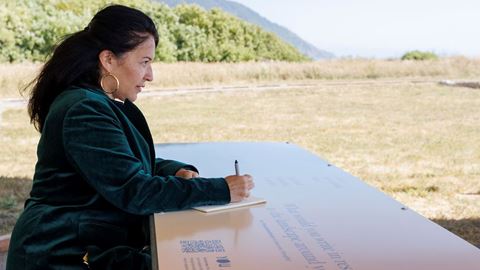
138, 120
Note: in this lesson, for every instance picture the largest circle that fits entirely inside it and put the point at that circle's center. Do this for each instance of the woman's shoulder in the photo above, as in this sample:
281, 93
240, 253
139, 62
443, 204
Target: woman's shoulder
74, 95
78, 93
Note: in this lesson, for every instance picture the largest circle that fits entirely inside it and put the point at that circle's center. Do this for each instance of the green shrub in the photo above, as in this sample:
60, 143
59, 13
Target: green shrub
419, 55
31, 28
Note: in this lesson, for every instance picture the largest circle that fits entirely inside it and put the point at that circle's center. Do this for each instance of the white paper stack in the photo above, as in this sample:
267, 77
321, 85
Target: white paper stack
246, 202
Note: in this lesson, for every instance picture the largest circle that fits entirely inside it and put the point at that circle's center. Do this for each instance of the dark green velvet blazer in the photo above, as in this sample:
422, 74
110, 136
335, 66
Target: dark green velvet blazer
96, 181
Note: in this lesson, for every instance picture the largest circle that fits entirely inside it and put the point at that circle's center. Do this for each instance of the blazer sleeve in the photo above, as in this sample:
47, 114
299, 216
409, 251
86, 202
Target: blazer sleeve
97, 147
165, 167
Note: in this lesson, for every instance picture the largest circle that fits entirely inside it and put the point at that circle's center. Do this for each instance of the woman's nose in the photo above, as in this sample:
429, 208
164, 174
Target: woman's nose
149, 74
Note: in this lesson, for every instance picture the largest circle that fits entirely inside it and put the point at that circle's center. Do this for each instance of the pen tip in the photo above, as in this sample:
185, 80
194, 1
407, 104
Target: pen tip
236, 161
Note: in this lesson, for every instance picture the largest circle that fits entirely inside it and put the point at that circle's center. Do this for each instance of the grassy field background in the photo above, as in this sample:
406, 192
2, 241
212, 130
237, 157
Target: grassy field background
418, 142
14, 76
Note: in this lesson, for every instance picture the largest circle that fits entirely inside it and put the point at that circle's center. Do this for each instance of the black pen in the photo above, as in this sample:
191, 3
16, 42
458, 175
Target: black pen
237, 171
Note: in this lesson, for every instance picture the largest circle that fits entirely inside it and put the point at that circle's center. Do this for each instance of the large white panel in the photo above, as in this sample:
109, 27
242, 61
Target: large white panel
316, 217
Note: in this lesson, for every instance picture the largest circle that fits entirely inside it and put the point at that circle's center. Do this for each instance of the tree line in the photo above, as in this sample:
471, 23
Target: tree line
31, 28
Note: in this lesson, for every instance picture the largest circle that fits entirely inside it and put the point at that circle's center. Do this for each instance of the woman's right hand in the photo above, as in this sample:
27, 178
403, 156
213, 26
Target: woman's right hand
240, 186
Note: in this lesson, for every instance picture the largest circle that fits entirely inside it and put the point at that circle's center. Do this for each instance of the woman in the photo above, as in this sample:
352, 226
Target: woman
96, 179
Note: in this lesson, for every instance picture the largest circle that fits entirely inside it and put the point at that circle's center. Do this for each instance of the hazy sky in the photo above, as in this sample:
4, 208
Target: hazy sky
376, 28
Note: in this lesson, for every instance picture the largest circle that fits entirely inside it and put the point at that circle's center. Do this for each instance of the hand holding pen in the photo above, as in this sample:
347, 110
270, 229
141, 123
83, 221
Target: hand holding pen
239, 185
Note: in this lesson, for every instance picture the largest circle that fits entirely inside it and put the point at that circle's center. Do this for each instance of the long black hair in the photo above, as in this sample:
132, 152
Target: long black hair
75, 60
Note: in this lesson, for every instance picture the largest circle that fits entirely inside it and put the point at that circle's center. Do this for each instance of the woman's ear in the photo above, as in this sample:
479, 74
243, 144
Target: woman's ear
107, 60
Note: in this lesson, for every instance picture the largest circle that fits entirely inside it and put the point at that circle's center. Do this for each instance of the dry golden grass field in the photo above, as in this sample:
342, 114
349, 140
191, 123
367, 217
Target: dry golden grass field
388, 122
14, 76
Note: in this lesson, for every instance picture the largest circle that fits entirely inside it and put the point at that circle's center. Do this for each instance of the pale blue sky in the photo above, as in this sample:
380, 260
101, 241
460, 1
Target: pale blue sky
376, 28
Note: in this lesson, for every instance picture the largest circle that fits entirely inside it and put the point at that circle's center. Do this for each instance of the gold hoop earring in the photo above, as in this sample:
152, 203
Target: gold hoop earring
116, 81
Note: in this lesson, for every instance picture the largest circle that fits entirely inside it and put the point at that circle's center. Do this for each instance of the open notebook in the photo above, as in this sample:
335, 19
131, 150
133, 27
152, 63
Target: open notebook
246, 202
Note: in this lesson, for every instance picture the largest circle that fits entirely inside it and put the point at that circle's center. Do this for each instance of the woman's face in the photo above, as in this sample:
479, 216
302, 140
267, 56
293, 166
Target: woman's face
132, 69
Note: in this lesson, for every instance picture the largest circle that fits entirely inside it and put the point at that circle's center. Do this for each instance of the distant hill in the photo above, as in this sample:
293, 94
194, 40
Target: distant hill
251, 16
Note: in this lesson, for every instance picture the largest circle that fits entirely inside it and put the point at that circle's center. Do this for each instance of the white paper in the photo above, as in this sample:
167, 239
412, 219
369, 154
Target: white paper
252, 200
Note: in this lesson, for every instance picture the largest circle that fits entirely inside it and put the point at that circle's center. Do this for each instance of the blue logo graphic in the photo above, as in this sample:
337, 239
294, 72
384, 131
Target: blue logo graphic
223, 261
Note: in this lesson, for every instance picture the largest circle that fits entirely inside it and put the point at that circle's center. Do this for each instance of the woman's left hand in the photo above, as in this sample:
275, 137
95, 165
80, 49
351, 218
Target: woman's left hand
187, 174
